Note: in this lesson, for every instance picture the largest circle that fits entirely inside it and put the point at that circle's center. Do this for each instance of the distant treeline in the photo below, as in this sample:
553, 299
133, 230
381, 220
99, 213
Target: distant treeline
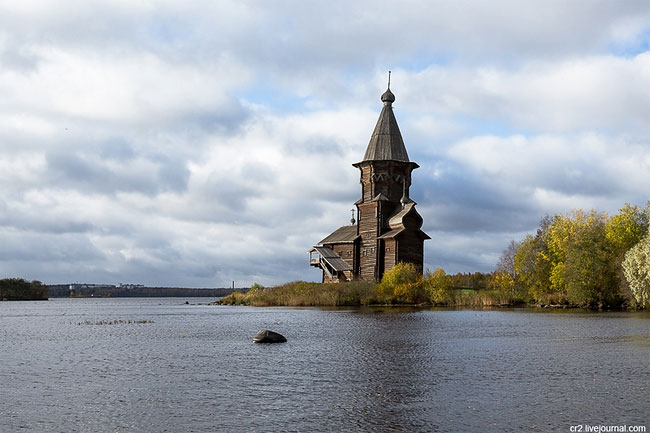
64, 291
18, 289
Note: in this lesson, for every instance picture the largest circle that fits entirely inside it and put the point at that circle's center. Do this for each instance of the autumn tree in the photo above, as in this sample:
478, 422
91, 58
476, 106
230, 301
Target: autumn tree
637, 271
402, 284
589, 276
624, 231
628, 227
505, 278
438, 286
533, 265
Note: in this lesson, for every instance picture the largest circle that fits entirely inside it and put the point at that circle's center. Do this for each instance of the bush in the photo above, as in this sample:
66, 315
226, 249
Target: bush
402, 284
438, 287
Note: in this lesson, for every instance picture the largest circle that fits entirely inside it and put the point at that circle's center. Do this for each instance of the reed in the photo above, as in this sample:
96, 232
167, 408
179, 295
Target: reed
481, 298
305, 294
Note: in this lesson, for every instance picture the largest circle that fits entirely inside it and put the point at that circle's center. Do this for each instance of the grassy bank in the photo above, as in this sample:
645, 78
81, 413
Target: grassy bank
404, 285
304, 294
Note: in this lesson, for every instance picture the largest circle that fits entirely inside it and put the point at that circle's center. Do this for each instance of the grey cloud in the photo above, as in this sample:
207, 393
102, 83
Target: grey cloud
468, 259
295, 41
228, 119
117, 148
86, 173
18, 59
315, 145
21, 246
43, 222
173, 175
461, 200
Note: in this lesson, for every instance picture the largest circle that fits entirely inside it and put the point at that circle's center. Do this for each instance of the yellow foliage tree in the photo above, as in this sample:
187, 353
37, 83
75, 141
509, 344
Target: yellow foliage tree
402, 284
438, 286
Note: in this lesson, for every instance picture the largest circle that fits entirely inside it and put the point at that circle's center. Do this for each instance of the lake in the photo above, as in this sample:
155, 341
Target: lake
159, 365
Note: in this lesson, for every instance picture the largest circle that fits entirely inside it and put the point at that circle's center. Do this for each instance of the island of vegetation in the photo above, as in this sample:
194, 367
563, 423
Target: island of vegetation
581, 259
18, 289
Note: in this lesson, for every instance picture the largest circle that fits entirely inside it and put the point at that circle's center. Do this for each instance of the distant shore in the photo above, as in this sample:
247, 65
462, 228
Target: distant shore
110, 291
18, 289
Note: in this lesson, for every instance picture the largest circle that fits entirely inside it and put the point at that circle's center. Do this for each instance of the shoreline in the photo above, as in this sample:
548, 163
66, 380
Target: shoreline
356, 294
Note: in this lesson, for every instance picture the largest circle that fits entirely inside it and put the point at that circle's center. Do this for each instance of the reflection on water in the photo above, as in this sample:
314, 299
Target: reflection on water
194, 368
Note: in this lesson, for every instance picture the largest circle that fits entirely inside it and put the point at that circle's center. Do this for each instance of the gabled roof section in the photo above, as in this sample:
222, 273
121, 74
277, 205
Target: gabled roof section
386, 142
332, 259
342, 235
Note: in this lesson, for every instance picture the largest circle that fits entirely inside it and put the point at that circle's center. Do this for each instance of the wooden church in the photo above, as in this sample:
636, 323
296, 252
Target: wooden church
387, 228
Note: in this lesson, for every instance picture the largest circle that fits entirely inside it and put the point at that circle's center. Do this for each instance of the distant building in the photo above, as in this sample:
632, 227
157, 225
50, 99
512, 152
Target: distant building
387, 228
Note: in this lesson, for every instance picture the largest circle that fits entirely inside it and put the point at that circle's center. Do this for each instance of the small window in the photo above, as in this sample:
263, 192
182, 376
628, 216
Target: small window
388, 249
372, 250
349, 253
365, 252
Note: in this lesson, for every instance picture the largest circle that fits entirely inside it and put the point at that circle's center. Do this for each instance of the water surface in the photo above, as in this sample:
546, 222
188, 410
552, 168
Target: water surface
193, 368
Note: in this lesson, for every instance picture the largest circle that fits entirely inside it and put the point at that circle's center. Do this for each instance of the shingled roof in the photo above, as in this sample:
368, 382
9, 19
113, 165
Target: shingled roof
386, 141
332, 259
342, 235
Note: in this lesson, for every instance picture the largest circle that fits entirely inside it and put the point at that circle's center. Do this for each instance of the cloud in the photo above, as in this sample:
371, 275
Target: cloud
603, 93
195, 144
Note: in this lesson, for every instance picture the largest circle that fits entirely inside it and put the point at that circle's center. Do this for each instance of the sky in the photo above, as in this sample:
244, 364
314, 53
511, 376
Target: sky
196, 143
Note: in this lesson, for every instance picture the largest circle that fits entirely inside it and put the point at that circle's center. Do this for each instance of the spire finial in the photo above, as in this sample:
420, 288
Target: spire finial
352, 221
388, 98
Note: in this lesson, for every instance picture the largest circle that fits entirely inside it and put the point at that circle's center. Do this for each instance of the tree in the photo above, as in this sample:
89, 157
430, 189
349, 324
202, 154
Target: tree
402, 284
628, 227
637, 271
575, 258
588, 271
623, 232
438, 286
18, 289
533, 264
506, 263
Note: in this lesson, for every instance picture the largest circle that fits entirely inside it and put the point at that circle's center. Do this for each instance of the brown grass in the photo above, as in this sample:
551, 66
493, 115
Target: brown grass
304, 294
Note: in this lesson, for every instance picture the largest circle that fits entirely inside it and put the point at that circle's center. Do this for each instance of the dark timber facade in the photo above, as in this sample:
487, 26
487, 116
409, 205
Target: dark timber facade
387, 228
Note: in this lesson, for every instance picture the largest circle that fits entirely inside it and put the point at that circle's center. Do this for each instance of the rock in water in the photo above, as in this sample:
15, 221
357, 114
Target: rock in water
266, 336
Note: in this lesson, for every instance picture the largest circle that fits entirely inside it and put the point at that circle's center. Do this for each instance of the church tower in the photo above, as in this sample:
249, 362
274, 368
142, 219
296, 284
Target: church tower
387, 229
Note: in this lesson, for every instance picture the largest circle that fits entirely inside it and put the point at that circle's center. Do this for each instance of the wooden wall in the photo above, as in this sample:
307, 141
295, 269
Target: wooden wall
410, 249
